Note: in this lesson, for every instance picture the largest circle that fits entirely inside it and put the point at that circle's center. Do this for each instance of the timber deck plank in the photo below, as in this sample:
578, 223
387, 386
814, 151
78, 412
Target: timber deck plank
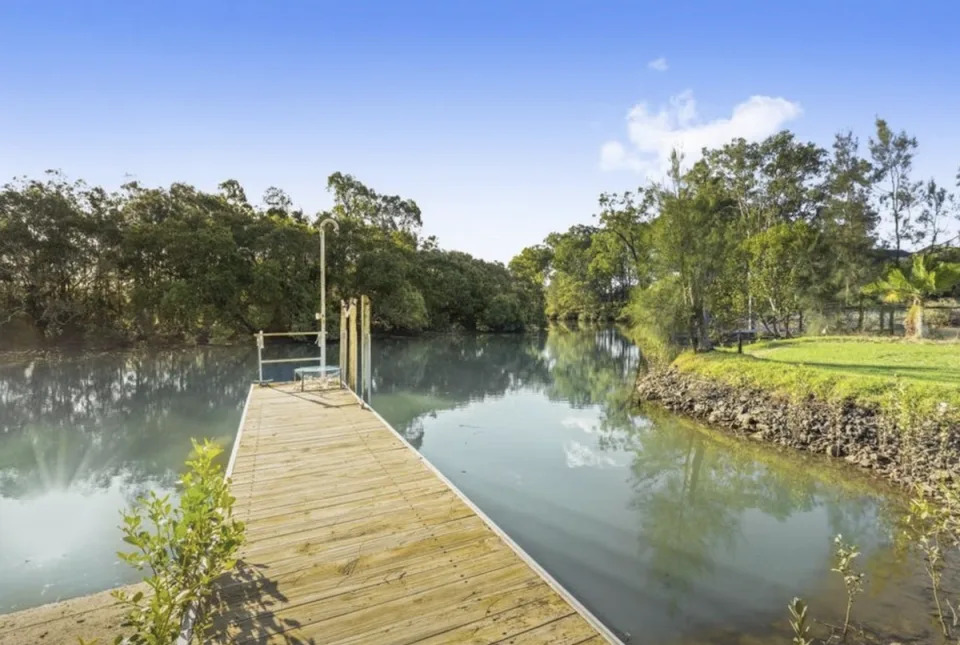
353, 538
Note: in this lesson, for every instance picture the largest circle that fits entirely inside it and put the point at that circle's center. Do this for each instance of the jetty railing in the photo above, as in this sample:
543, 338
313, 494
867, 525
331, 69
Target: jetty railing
354, 347
261, 361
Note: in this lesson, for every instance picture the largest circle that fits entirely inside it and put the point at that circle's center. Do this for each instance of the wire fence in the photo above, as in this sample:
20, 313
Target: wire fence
941, 321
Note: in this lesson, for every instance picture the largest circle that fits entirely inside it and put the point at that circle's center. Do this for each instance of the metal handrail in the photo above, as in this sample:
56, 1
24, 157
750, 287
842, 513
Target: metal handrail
259, 336
291, 360
286, 333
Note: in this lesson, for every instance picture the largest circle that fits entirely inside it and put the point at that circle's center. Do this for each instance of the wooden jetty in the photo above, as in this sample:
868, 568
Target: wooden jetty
353, 537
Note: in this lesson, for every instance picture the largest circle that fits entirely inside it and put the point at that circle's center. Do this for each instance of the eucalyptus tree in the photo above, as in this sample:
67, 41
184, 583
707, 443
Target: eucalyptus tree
693, 237
390, 212
627, 216
848, 223
233, 193
532, 264
774, 181
530, 268
375, 252
612, 270
790, 176
892, 154
782, 272
278, 203
569, 293
937, 207
737, 165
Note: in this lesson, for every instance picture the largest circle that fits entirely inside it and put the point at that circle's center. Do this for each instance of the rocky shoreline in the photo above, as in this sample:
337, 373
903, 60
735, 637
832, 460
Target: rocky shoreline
921, 456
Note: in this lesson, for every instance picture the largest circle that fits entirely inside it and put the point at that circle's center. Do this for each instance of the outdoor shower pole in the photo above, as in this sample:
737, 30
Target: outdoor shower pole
260, 356
323, 295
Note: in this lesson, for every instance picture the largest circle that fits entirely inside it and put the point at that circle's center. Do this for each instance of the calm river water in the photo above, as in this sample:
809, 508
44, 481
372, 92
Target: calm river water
667, 531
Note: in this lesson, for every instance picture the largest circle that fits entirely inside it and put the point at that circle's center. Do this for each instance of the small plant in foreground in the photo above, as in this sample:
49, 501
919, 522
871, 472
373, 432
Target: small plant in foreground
934, 524
852, 580
186, 548
798, 622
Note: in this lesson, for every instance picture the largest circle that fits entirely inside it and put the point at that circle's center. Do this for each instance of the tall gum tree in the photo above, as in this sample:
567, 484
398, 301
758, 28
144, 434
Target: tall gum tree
892, 155
692, 238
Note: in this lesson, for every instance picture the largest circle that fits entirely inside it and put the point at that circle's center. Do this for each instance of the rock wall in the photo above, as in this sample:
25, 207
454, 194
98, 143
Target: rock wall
861, 436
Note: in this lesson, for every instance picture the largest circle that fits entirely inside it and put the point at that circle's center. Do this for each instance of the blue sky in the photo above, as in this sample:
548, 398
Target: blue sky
504, 120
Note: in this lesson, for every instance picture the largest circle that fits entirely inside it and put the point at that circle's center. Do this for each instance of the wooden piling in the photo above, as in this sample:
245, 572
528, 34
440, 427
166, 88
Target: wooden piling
343, 343
365, 367
352, 333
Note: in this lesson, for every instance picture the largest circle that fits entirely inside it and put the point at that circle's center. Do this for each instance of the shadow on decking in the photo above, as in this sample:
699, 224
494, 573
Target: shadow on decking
315, 395
245, 601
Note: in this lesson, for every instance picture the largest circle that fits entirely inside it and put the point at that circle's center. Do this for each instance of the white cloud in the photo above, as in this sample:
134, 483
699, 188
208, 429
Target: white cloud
677, 125
658, 64
613, 156
580, 456
584, 424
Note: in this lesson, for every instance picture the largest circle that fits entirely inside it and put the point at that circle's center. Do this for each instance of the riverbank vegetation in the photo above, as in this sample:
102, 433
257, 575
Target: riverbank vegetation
79, 264
873, 372
780, 235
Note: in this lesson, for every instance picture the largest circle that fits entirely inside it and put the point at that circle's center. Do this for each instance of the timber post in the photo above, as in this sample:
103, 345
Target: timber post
343, 343
260, 357
366, 377
352, 333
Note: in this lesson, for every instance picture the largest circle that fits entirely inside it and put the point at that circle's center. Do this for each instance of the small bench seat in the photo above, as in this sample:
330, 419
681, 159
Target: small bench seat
303, 373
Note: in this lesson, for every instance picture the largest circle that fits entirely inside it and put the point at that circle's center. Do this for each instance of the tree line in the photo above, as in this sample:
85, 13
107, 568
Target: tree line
81, 264
757, 234
753, 233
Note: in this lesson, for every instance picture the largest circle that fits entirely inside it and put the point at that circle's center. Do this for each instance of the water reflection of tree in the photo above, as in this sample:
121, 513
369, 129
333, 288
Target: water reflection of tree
413, 378
589, 366
593, 367
461, 367
693, 488
93, 419
692, 491
416, 377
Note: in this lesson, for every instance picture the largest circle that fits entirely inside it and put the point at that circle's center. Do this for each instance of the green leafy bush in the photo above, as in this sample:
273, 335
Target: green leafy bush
186, 548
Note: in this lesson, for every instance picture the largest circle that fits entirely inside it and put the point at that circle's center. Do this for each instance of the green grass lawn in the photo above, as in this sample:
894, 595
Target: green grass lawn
873, 371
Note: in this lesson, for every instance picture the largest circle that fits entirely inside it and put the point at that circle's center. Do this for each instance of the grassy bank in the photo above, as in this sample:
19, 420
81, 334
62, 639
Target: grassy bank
889, 374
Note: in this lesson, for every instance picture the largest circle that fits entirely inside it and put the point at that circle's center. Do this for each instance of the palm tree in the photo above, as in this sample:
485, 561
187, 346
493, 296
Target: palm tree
926, 279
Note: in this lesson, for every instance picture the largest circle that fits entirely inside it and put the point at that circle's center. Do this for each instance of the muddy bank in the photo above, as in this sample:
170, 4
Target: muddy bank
921, 455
